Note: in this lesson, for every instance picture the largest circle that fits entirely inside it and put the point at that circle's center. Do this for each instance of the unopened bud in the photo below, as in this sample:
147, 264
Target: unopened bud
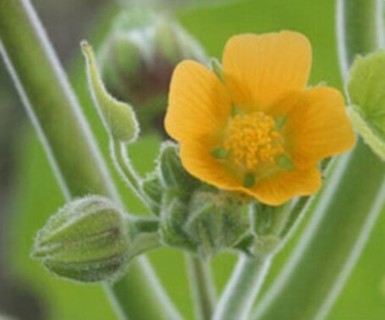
138, 58
87, 240
173, 218
217, 221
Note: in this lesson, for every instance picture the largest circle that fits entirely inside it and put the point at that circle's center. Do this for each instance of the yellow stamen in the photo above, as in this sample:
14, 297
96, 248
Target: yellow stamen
251, 139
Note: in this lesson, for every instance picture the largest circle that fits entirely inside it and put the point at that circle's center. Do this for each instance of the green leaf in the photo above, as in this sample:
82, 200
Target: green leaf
366, 88
374, 138
118, 117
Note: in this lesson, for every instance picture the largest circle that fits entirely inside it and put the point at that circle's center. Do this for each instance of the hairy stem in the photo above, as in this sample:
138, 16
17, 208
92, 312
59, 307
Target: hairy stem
123, 164
243, 288
202, 287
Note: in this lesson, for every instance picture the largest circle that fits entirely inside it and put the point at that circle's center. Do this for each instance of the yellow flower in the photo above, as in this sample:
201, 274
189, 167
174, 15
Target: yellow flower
257, 129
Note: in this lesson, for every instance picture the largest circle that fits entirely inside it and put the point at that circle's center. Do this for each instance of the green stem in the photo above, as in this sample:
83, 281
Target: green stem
50, 102
202, 287
346, 210
147, 235
359, 29
123, 164
136, 299
68, 142
242, 290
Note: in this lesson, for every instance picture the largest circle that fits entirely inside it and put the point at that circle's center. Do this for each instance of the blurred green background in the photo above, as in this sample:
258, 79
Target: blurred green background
29, 192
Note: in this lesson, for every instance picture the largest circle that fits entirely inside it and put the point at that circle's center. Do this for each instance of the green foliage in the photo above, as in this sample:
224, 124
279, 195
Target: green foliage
366, 90
118, 117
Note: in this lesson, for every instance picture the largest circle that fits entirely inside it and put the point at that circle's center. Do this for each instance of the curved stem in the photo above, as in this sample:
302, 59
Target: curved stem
242, 290
123, 164
137, 291
68, 142
347, 208
359, 29
202, 287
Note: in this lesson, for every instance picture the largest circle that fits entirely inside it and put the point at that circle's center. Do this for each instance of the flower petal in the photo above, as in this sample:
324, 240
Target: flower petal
317, 125
197, 160
198, 102
259, 69
281, 187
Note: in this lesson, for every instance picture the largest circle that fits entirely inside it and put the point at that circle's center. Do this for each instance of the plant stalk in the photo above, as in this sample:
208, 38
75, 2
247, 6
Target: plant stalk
240, 293
202, 287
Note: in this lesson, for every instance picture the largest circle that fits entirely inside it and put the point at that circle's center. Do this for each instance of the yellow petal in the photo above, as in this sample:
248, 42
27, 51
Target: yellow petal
197, 160
277, 189
260, 69
198, 102
317, 125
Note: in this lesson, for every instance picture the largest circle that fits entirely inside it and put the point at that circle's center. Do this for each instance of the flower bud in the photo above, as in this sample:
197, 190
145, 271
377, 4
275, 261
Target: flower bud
216, 221
173, 218
172, 173
87, 240
138, 58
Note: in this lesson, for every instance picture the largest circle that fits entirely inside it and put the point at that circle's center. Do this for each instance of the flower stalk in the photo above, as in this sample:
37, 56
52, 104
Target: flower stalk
202, 286
244, 286
56, 115
118, 151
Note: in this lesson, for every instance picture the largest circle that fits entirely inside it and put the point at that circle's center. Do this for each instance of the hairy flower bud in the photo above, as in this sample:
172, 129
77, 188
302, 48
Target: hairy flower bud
174, 216
87, 240
217, 221
138, 58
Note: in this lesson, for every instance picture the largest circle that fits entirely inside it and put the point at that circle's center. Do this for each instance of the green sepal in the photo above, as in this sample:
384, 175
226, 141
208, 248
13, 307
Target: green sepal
174, 215
153, 191
118, 117
87, 240
217, 221
267, 228
366, 88
172, 173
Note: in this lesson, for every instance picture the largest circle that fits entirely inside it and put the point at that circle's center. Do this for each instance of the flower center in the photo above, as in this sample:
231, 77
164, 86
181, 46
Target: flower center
252, 140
